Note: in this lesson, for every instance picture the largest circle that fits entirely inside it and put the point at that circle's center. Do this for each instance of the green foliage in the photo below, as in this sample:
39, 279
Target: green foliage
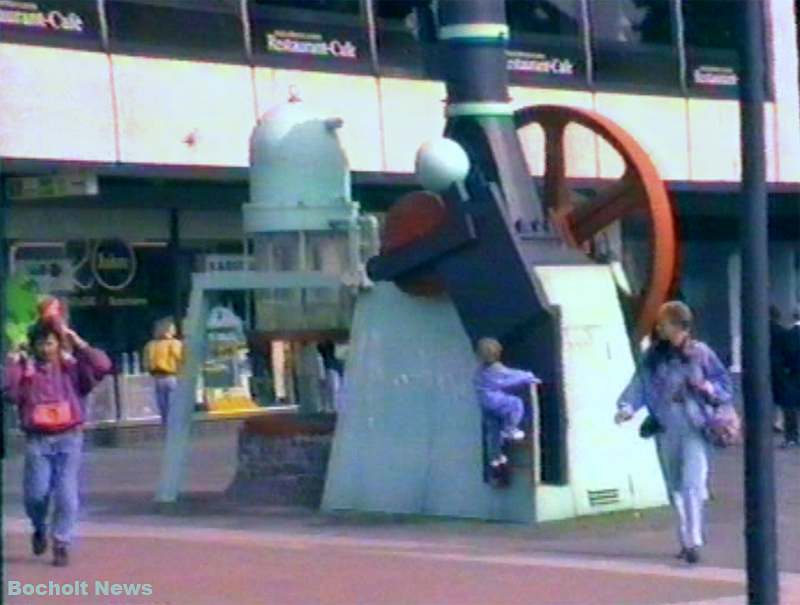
22, 296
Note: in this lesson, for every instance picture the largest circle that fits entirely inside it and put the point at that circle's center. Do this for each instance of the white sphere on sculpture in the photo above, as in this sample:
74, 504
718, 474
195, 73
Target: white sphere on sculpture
441, 163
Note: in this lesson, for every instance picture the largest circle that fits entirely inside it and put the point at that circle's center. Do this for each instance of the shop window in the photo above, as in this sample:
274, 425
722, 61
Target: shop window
546, 42
712, 63
544, 17
347, 7
406, 35
65, 23
634, 44
209, 30
321, 35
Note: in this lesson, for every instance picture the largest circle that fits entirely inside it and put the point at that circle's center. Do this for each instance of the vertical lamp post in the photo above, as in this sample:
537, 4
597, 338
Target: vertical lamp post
762, 569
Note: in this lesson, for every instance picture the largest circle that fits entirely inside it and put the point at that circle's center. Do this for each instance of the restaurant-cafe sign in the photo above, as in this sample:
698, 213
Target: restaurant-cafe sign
291, 42
38, 16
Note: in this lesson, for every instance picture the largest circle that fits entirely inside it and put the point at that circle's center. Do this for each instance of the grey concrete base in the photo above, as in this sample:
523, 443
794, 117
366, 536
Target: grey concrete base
408, 437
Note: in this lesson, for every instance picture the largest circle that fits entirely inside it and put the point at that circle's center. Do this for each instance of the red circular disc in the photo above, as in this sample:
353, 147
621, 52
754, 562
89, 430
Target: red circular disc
413, 217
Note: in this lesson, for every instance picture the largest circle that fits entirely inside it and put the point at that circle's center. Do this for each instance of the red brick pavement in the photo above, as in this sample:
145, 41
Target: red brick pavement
201, 570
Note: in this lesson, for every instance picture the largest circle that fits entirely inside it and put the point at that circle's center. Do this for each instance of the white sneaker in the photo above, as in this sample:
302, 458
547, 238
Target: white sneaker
499, 461
513, 435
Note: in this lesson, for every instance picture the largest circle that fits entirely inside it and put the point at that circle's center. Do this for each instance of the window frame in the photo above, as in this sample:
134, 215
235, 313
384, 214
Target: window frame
235, 54
644, 86
690, 62
533, 43
425, 48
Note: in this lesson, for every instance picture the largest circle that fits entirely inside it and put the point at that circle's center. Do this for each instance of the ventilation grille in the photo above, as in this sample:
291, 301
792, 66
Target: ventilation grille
603, 497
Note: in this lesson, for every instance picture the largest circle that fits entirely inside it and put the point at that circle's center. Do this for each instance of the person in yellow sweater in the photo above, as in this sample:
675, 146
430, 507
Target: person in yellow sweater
163, 357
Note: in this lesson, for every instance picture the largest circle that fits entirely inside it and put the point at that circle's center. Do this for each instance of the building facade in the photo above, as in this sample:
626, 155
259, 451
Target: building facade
124, 129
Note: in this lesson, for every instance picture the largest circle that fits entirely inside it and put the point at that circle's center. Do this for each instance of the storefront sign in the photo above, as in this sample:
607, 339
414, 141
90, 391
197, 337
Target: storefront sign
50, 21
539, 63
114, 264
28, 14
299, 44
534, 62
312, 44
43, 187
79, 302
227, 262
714, 75
712, 72
127, 301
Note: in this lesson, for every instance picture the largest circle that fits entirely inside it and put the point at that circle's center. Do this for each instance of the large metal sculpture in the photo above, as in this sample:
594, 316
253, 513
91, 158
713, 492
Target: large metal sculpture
309, 243
513, 267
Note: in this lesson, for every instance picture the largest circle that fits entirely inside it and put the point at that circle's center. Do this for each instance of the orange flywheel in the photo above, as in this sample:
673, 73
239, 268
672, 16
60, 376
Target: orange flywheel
639, 190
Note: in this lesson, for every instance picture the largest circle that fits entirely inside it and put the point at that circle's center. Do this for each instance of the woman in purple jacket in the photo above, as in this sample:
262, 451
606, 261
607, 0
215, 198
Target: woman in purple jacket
48, 391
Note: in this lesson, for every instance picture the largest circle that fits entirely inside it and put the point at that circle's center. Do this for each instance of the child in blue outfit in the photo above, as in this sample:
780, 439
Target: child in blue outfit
498, 388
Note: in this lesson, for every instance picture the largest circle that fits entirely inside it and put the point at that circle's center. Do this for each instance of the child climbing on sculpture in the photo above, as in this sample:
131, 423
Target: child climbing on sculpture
499, 391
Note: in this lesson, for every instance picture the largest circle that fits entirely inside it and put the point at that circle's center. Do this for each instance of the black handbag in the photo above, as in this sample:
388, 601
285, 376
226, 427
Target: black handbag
650, 427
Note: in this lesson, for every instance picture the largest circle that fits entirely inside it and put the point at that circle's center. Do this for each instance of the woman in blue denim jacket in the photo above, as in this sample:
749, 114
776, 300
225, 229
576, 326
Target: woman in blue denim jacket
679, 380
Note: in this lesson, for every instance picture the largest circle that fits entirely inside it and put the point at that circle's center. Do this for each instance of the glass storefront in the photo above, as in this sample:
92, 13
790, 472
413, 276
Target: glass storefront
115, 291
682, 47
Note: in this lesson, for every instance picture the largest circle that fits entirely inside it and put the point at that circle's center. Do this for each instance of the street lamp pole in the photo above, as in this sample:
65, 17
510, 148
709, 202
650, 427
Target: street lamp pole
762, 568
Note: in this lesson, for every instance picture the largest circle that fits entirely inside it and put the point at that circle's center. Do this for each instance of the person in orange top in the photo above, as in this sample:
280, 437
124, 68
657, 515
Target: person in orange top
163, 357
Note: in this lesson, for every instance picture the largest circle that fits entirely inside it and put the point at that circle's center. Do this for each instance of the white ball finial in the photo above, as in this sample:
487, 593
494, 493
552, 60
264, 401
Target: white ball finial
441, 163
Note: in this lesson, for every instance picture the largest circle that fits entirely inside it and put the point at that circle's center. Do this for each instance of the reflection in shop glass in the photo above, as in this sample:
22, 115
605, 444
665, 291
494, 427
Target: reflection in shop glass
710, 34
645, 22
176, 28
406, 30
710, 24
389, 9
550, 17
349, 7
634, 43
545, 41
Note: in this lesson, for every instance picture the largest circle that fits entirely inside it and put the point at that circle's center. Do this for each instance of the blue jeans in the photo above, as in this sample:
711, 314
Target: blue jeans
683, 454
165, 393
52, 463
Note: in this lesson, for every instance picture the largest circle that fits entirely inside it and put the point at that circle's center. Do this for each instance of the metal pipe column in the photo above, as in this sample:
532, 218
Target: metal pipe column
479, 113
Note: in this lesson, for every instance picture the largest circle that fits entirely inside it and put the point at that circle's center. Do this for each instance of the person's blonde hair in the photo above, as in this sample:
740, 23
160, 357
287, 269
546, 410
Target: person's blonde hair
676, 313
489, 350
162, 326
